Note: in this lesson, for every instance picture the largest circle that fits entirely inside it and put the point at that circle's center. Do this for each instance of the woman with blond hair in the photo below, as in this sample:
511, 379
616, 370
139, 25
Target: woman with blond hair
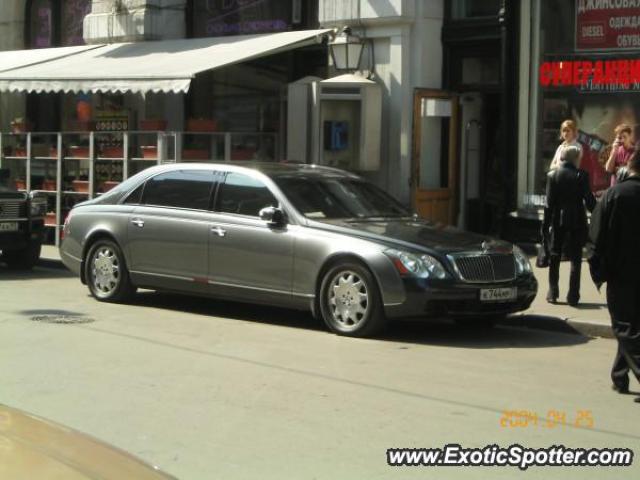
569, 137
621, 151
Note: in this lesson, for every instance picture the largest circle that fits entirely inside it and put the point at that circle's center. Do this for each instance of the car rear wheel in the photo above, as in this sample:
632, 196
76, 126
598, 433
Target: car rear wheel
106, 272
350, 301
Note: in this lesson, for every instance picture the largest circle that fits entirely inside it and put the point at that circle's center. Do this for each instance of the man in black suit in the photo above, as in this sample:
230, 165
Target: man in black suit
565, 221
614, 240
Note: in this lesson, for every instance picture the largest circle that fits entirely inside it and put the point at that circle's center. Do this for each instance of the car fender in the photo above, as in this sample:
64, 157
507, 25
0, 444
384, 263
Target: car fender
317, 250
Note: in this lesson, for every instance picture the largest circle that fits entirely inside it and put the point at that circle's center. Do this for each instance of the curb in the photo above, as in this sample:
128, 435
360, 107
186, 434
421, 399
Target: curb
49, 262
562, 325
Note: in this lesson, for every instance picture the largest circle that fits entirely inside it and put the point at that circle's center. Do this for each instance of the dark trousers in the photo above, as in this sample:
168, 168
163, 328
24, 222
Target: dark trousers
623, 300
573, 241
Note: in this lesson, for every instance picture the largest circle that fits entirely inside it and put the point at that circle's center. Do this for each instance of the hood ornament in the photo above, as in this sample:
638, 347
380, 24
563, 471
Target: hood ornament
496, 246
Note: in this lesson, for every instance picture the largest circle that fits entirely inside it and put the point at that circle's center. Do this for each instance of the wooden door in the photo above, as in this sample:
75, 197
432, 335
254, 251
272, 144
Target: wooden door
435, 162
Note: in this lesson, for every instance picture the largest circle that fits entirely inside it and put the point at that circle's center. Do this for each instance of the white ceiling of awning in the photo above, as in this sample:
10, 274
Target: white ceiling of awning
154, 66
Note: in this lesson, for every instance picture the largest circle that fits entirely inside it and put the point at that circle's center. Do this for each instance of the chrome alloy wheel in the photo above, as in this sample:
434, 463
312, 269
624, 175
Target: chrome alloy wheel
348, 299
105, 270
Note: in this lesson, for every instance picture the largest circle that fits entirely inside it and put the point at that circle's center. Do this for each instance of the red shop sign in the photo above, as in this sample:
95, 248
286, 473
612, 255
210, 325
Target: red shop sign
607, 24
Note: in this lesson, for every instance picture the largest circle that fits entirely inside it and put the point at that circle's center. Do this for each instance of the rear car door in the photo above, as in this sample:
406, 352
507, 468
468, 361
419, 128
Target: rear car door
168, 231
248, 258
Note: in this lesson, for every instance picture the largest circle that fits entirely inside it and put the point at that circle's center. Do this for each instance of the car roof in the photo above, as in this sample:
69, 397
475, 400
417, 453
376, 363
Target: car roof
270, 169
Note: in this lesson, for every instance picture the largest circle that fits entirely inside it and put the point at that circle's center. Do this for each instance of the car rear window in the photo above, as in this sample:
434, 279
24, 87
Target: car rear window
181, 189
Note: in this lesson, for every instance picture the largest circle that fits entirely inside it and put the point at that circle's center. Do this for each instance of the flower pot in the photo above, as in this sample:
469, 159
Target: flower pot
108, 185
195, 154
243, 153
20, 127
202, 125
50, 218
49, 185
78, 152
80, 186
112, 152
149, 152
20, 152
20, 184
153, 125
53, 152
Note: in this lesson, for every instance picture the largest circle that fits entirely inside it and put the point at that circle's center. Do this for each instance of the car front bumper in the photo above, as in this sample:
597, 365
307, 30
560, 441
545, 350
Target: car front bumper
454, 298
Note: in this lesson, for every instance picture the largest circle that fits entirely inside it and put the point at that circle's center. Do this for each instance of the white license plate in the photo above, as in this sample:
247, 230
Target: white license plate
8, 226
498, 294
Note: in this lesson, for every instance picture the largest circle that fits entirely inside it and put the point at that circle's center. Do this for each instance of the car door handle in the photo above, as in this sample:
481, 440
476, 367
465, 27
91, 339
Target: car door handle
138, 222
221, 232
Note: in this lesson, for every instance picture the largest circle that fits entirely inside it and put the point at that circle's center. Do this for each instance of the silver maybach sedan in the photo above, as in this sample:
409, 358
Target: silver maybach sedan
297, 236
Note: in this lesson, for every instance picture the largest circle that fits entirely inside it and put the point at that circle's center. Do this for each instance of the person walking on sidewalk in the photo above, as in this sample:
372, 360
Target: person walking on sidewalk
614, 238
565, 220
569, 137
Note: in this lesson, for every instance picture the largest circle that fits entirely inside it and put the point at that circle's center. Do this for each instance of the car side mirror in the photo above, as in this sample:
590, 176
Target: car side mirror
272, 215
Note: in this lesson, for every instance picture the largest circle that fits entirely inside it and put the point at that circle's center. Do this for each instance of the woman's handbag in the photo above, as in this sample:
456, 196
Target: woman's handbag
542, 259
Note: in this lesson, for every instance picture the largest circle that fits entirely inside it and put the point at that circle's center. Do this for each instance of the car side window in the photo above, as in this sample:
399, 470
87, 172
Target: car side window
180, 189
244, 195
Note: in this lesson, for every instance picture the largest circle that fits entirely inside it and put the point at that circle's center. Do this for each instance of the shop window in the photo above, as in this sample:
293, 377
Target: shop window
181, 189
463, 9
52, 24
596, 109
55, 24
217, 18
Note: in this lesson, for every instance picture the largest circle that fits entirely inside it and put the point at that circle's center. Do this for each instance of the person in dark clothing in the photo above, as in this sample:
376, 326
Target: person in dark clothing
613, 242
565, 221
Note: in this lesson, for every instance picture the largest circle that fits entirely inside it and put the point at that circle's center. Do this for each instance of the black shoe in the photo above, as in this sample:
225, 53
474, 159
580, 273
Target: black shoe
621, 387
637, 399
552, 296
573, 299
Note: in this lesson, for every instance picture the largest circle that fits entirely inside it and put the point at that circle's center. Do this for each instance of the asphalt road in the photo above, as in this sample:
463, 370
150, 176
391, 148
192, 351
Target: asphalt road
208, 390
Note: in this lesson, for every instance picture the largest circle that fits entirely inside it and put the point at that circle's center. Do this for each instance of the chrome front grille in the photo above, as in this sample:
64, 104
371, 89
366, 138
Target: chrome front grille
485, 268
12, 209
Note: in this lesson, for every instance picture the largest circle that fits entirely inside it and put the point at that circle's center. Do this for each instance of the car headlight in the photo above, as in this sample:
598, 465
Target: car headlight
37, 206
420, 265
522, 261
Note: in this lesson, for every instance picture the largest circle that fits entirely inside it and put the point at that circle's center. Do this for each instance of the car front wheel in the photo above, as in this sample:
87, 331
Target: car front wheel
106, 272
350, 301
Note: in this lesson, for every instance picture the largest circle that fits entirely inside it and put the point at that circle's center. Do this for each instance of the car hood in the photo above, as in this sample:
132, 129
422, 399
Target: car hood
419, 234
31, 447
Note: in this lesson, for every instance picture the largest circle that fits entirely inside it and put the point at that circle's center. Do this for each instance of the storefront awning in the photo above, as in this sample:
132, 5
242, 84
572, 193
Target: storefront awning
154, 66
12, 59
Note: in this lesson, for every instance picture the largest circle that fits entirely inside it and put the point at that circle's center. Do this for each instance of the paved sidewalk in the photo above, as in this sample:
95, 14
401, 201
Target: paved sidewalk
590, 317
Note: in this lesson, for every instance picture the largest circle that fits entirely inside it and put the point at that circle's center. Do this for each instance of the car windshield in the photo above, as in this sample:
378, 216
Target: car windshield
326, 198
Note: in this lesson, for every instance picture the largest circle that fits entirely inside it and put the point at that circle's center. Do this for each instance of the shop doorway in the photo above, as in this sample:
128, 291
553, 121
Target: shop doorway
481, 192
434, 181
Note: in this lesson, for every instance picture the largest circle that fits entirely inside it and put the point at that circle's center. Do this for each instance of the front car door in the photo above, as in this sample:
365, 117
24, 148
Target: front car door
168, 231
248, 258
434, 180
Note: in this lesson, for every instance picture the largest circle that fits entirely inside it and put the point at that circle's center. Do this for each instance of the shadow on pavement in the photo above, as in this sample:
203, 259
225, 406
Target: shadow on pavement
441, 332
42, 270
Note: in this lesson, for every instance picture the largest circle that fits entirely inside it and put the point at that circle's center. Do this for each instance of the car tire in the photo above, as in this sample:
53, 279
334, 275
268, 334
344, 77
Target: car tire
350, 301
24, 259
106, 272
